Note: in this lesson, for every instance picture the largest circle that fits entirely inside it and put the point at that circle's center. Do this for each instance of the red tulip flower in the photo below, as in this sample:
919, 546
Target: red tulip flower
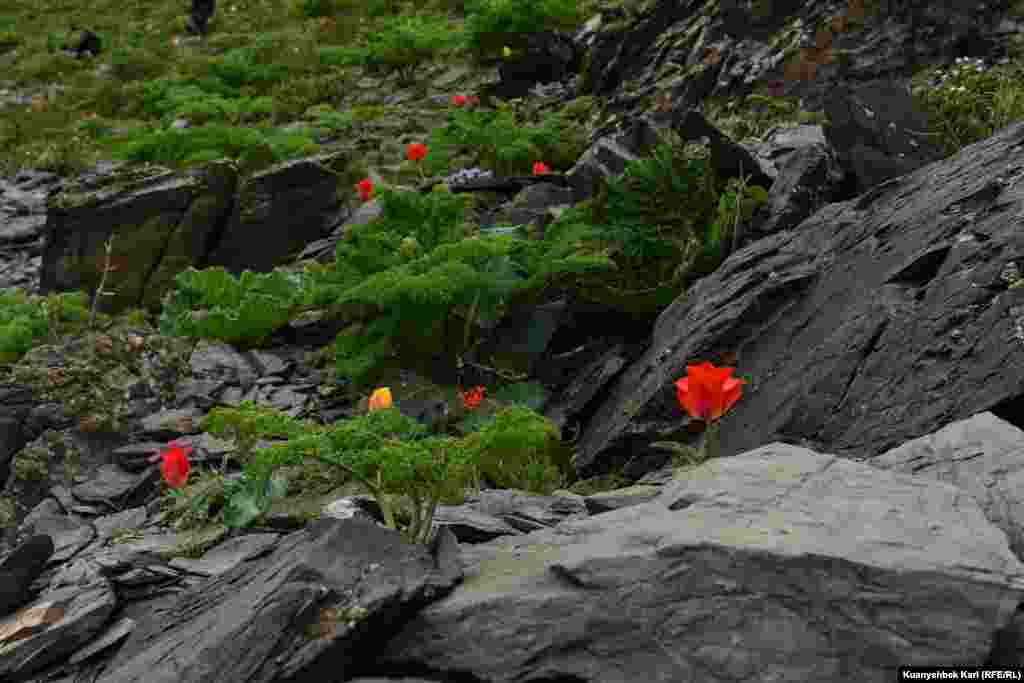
540, 169
365, 188
707, 392
459, 100
472, 398
473, 101
175, 466
416, 151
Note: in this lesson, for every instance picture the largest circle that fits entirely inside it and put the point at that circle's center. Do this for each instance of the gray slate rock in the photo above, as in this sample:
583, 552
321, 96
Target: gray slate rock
779, 560
339, 586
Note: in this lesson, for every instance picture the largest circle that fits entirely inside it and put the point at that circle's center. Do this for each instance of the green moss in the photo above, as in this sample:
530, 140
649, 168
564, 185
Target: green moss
93, 381
8, 512
580, 109
186, 239
370, 112
600, 484
31, 464
197, 542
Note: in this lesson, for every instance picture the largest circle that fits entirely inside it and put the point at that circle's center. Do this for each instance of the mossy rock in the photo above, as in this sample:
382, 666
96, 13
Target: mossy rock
8, 41
318, 110
581, 108
370, 112
600, 484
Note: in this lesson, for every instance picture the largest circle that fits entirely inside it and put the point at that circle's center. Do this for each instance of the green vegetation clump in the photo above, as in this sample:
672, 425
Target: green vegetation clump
245, 311
253, 148
8, 512
429, 307
647, 235
491, 24
519, 449
246, 500
972, 103
315, 8
99, 371
404, 45
634, 245
414, 286
408, 470
135, 63
26, 320
506, 142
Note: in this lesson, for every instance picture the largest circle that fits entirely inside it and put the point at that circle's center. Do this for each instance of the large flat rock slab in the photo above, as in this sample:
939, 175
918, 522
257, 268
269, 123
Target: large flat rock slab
778, 564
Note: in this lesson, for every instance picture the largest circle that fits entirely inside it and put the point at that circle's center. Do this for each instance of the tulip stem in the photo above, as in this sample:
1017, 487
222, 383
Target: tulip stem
711, 446
385, 503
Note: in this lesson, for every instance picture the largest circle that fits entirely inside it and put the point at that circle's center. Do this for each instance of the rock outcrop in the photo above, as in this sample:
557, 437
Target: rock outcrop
864, 514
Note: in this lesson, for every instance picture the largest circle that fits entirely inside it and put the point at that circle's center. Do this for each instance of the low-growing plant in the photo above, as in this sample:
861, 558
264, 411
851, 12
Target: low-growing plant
26, 320
531, 395
135, 63
392, 455
506, 141
971, 103
198, 106
246, 66
199, 504
294, 96
430, 307
247, 500
342, 55
570, 254
98, 373
496, 137
213, 304
519, 449
365, 448
250, 497
202, 144
313, 9
491, 24
736, 206
248, 423
652, 220
380, 8
403, 45
370, 248
389, 453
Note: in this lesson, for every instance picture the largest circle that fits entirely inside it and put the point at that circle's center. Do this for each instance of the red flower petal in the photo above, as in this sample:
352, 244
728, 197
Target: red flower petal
472, 398
707, 392
416, 151
365, 188
175, 466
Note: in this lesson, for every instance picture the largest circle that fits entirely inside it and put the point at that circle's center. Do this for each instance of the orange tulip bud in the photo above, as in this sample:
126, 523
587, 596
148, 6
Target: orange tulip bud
380, 399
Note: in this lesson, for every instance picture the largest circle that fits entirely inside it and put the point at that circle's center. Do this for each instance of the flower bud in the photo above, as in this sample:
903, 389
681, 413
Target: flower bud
409, 247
